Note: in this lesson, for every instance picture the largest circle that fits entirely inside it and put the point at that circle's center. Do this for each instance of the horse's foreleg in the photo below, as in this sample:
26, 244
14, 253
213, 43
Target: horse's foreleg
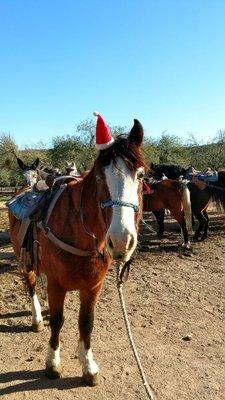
56, 297
86, 320
37, 320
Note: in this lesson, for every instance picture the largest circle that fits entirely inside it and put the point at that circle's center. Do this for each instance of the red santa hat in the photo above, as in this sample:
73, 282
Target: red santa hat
103, 138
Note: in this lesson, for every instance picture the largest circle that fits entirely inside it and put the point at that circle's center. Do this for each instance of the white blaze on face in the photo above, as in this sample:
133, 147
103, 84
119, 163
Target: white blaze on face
30, 177
121, 238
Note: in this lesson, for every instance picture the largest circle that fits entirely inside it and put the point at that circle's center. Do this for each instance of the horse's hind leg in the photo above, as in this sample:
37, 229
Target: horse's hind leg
205, 232
184, 232
86, 320
56, 297
186, 242
202, 221
37, 320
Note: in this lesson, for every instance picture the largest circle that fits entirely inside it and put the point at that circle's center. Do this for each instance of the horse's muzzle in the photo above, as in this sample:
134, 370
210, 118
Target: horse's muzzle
121, 247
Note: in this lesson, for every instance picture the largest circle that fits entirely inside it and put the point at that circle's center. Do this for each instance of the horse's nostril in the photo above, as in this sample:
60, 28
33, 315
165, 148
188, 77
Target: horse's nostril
110, 243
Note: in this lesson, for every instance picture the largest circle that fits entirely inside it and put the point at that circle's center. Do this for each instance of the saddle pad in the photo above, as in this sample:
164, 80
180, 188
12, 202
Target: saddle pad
202, 177
26, 203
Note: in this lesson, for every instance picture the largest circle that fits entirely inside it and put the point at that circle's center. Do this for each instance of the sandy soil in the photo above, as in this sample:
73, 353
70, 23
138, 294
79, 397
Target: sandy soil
176, 305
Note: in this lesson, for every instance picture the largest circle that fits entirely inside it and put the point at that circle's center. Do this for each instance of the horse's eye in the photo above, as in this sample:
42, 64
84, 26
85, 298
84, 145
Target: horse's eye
140, 175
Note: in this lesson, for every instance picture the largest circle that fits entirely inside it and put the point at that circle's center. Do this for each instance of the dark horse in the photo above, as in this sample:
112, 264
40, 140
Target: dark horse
174, 196
174, 171
98, 215
201, 194
171, 171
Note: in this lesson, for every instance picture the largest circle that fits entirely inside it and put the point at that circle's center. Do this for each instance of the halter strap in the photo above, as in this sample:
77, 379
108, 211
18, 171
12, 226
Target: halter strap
110, 203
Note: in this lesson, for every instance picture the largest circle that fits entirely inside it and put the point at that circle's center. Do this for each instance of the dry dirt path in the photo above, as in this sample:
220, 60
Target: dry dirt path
176, 305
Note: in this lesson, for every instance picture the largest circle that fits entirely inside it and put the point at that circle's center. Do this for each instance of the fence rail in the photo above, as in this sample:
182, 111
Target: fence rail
9, 189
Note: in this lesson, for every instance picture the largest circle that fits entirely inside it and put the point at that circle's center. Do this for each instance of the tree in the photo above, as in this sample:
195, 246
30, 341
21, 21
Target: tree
8, 149
79, 147
67, 148
170, 150
151, 151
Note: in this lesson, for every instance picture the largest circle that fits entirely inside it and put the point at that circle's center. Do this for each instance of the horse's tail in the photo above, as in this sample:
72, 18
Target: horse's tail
217, 195
186, 201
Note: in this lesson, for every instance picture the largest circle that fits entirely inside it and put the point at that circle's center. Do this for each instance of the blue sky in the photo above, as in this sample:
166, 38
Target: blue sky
160, 61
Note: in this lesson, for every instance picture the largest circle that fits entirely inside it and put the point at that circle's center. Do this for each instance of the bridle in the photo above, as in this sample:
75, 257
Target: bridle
74, 250
104, 204
110, 203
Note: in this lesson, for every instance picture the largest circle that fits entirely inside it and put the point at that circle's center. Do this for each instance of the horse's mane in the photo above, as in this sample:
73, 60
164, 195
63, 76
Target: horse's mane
170, 170
128, 151
44, 171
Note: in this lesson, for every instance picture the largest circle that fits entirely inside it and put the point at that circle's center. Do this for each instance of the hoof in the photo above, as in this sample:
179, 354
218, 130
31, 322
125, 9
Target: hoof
203, 238
195, 239
38, 327
91, 380
53, 372
186, 246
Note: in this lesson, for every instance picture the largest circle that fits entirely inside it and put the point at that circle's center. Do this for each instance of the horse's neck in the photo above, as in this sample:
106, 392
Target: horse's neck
80, 216
90, 204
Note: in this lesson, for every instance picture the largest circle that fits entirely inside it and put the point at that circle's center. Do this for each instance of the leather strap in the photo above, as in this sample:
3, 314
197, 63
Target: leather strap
65, 246
23, 230
47, 231
54, 200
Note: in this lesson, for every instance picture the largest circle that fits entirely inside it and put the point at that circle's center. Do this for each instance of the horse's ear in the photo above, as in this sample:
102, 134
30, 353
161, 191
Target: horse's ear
136, 134
152, 165
21, 164
35, 163
72, 164
67, 163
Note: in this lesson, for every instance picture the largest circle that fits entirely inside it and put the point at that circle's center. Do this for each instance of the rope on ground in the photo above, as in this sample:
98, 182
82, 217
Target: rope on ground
149, 227
148, 389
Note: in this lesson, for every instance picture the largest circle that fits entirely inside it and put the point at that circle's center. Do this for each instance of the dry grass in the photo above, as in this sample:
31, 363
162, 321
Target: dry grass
4, 220
3, 198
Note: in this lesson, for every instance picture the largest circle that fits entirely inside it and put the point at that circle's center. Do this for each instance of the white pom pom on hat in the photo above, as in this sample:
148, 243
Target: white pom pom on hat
103, 138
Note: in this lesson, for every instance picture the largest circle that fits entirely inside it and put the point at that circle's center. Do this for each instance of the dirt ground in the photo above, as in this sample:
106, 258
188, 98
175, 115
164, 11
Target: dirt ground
176, 305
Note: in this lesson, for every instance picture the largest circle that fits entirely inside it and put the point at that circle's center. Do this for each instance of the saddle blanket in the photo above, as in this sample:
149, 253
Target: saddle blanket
26, 203
202, 177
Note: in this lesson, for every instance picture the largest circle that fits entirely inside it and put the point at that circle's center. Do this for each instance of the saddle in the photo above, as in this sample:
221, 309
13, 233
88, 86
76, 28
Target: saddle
29, 203
33, 207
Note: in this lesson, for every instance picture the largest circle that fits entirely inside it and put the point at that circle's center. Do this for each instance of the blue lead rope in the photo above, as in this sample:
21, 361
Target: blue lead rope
110, 203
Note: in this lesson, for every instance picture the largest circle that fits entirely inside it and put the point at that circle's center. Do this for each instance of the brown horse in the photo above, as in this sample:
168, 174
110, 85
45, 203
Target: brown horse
99, 215
174, 196
201, 194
